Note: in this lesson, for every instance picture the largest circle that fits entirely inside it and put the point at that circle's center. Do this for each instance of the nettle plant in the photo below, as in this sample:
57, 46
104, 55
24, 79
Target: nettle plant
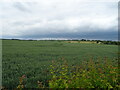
100, 73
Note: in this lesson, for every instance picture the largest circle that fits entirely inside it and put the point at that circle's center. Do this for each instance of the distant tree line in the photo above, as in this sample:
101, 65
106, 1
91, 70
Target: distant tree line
101, 41
97, 41
104, 42
111, 42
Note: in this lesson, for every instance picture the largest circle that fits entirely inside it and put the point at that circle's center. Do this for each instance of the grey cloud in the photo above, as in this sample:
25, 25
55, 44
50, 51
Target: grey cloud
21, 7
106, 35
61, 20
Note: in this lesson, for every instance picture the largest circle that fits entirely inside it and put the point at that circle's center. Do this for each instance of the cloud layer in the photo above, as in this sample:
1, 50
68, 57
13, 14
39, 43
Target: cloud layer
65, 18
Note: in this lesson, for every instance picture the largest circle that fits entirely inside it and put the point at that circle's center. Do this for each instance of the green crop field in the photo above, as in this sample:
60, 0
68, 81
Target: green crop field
33, 58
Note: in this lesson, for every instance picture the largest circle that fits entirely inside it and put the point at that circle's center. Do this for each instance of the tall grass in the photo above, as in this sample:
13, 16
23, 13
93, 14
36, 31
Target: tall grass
33, 58
102, 73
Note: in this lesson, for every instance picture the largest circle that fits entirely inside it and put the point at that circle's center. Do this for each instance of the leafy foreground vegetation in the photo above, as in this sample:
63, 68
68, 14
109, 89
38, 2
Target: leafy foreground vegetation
89, 74
33, 59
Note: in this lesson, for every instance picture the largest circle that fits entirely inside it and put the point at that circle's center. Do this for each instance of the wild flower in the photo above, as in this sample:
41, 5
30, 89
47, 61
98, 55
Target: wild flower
21, 85
40, 84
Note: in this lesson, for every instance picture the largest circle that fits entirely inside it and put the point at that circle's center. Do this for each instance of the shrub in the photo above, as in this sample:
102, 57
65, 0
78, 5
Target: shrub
89, 74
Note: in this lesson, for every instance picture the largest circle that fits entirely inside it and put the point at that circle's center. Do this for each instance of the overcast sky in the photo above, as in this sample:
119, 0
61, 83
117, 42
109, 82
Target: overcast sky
59, 19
